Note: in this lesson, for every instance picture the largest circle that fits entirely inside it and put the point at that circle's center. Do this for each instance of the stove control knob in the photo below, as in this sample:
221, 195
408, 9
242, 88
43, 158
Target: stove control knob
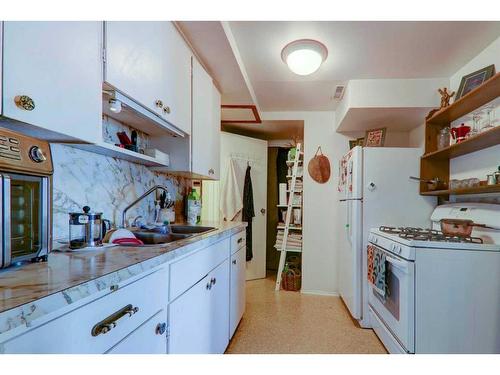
37, 155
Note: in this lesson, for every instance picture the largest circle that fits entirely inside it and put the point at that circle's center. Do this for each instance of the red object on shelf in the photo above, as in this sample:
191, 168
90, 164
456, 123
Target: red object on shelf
124, 139
460, 133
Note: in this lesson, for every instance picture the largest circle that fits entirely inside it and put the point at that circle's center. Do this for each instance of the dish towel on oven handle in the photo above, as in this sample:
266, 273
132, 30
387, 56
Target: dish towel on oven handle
377, 270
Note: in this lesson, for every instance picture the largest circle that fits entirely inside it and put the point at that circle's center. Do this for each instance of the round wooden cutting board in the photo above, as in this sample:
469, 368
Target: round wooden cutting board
319, 167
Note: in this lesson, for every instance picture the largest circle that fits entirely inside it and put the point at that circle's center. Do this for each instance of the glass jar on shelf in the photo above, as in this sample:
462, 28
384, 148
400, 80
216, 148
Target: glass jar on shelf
490, 114
443, 138
476, 124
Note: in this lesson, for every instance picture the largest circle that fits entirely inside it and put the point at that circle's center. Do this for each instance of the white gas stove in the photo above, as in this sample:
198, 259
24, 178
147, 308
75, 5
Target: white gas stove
443, 292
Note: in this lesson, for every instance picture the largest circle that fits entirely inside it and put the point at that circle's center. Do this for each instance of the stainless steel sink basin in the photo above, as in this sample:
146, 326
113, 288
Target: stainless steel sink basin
190, 229
153, 238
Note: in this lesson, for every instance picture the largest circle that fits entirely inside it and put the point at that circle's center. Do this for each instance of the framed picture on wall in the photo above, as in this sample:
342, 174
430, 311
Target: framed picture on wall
353, 143
473, 80
375, 137
360, 141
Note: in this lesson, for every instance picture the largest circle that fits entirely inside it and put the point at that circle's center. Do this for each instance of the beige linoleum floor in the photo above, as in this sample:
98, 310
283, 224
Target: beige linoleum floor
292, 322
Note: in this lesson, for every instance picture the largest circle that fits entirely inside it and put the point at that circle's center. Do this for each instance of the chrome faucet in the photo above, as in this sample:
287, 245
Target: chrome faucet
124, 213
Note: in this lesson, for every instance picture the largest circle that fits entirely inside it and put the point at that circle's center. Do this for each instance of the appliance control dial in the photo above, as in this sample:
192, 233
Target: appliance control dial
37, 155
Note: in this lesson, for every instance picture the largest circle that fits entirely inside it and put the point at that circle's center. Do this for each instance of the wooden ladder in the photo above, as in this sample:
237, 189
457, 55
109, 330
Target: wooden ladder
289, 209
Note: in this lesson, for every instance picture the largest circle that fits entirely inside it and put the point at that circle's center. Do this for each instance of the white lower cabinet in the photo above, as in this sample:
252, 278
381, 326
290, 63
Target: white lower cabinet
207, 294
99, 325
150, 338
198, 319
237, 289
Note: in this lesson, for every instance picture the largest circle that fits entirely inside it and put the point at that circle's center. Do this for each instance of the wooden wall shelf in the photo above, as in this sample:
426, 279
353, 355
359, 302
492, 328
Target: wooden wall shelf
474, 190
481, 141
436, 163
481, 95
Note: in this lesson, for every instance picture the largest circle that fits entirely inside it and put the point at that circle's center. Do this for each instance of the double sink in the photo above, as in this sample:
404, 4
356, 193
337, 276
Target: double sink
177, 232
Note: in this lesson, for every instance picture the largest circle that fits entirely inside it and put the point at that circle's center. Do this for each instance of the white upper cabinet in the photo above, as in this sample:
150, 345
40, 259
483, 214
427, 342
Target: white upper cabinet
206, 124
57, 67
150, 63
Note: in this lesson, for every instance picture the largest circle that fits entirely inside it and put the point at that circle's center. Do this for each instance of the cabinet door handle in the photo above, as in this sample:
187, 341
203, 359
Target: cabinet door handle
24, 102
159, 103
166, 109
211, 171
161, 328
107, 324
240, 240
213, 281
234, 261
209, 285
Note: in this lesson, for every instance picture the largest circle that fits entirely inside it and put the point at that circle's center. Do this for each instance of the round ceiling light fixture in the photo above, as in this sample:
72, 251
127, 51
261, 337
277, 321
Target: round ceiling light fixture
304, 56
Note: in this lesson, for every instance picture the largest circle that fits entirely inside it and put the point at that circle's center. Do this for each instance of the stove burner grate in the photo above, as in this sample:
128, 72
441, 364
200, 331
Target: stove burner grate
420, 234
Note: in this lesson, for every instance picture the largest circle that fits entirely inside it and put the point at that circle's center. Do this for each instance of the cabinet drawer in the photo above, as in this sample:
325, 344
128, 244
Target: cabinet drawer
150, 338
73, 332
238, 241
188, 271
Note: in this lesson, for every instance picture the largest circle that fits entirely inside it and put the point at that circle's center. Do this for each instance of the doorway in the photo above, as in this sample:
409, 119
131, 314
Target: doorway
281, 136
239, 153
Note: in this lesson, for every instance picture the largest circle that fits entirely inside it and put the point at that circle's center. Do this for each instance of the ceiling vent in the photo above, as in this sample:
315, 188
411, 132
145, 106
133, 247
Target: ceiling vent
339, 92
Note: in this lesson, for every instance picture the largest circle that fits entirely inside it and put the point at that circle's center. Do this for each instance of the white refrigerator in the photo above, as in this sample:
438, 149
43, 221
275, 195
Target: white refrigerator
375, 189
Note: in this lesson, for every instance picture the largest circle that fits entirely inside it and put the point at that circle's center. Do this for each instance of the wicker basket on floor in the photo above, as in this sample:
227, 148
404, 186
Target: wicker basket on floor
291, 280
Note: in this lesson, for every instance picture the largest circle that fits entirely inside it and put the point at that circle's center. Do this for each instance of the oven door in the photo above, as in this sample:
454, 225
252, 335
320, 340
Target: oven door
396, 310
25, 217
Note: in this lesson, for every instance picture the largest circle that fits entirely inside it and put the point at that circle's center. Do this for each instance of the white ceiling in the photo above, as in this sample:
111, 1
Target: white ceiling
357, 50
210, 42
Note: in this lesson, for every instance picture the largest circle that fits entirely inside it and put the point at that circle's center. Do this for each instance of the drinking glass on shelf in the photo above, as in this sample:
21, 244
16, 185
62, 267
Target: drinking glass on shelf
489, 118
476, 119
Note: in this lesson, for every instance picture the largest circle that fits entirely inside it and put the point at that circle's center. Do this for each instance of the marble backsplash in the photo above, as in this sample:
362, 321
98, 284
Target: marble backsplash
105, 184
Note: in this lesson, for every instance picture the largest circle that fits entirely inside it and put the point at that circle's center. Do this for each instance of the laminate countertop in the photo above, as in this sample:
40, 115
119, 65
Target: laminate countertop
30, 291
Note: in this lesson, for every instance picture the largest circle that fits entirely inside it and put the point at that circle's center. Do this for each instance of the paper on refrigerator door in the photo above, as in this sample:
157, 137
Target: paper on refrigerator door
282, 194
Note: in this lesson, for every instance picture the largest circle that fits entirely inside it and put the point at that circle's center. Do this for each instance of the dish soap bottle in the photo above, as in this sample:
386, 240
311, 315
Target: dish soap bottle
193, 207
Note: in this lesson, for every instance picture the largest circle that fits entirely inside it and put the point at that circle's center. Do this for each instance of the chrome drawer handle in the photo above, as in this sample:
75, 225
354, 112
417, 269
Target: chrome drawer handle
107, 324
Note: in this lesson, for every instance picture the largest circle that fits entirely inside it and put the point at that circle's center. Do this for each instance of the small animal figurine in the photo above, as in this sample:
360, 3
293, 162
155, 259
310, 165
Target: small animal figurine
445, 101
445, 97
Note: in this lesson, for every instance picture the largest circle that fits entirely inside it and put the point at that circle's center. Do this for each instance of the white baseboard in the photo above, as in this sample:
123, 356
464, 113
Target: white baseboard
320, 293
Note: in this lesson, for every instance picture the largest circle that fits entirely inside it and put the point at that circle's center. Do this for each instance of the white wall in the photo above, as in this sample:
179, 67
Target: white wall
490, 55
417, 137
321, 208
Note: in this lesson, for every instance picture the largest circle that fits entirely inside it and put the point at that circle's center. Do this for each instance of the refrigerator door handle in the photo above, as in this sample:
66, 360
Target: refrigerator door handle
348, 222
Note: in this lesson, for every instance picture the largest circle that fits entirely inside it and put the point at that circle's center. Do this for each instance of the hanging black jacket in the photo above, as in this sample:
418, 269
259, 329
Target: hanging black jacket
248, 211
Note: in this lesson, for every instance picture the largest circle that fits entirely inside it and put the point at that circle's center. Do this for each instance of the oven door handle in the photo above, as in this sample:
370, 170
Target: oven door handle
6, 225
402, 266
